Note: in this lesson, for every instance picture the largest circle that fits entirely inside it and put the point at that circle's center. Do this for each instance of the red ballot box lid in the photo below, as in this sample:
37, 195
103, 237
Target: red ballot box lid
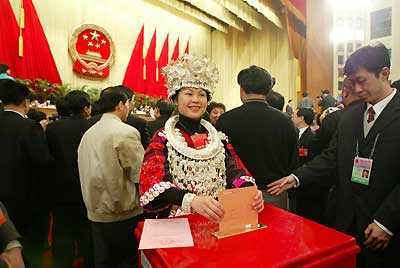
287, 241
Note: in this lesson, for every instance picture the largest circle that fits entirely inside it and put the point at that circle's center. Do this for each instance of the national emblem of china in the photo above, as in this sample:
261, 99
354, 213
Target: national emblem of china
92, 50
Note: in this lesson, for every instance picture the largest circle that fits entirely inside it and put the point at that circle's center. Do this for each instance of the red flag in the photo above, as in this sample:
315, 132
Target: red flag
134, 72
162, 61
9, 36
150, 83
37, 60
175, 54
187, 47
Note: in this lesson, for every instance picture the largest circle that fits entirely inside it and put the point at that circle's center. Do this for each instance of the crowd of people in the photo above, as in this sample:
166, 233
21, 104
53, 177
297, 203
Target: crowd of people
98, 173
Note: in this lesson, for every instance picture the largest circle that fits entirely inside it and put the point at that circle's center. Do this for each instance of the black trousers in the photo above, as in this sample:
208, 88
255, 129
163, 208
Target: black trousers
71, 237
34, 230
115, 244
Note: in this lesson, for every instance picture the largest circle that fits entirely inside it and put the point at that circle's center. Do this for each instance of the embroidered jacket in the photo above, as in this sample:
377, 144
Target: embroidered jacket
172, 167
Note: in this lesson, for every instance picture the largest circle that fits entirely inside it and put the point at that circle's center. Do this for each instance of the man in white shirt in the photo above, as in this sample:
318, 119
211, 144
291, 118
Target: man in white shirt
364, 153
109, 159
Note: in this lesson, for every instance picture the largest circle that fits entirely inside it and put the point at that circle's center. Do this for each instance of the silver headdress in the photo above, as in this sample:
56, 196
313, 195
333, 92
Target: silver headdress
190, 71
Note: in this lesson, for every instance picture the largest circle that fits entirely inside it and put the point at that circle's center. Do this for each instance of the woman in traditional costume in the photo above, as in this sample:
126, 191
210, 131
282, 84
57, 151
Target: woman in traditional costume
188, 161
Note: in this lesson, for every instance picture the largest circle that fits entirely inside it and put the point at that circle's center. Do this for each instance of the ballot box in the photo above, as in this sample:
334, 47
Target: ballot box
287, 240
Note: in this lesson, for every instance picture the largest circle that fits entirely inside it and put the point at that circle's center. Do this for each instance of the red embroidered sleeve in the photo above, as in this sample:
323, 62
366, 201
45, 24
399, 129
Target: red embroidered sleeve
152, 178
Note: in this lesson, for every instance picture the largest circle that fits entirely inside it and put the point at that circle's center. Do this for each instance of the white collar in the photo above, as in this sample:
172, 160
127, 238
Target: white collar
302, 130
9, 110
380, 106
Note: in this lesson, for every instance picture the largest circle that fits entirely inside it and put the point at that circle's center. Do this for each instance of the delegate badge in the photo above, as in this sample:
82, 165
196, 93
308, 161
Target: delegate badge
361, 170
303, 152
199, 141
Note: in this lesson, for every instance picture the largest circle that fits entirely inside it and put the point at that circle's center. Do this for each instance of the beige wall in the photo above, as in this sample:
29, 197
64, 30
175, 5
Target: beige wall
237, 50
123, 19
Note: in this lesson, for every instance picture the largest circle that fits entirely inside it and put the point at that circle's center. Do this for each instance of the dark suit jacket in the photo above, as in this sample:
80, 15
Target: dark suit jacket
304, 146
63, 137
139, 123
358, 205
157, 124
308, 202
24, 163
264, 138
8, 232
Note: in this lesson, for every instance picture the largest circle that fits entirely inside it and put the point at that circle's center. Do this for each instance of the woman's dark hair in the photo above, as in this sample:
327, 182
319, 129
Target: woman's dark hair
213, 105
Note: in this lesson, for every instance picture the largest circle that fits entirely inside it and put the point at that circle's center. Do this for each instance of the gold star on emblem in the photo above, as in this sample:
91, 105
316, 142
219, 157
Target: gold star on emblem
95, 35
85, 37
97, 45
103, 41
90, 44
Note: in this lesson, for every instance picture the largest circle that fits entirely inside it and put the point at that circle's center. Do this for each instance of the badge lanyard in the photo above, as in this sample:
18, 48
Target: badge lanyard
373, 147
362, 167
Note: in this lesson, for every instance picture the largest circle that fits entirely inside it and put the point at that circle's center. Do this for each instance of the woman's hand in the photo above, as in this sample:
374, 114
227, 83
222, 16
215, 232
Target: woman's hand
258, 203
208, 207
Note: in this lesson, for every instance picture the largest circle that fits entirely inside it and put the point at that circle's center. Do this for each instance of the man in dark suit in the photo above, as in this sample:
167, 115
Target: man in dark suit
24, 164
163, 111
139, 123
309, 203
10, 248
70, 224
367, 208
264, 138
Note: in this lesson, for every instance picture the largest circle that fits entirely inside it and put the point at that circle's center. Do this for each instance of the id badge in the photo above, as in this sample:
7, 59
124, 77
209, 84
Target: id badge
303, 152
361, 170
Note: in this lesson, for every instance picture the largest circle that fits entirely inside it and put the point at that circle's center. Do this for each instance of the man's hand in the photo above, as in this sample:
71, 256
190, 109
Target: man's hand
13, 258
207, 207
281, 185
376, 238
258, 203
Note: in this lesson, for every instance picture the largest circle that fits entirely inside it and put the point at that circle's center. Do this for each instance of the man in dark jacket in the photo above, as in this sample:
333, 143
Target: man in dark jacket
364, 153
264, 138
24, 163
70, 224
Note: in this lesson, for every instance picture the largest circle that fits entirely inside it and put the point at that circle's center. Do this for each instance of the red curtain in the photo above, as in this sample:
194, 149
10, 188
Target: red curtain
9, 32
187, 47
150, 83
175, 54
134, 72
37, 60
162, 61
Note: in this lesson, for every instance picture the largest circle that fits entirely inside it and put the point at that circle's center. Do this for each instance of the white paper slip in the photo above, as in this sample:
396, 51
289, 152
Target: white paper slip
166, 233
